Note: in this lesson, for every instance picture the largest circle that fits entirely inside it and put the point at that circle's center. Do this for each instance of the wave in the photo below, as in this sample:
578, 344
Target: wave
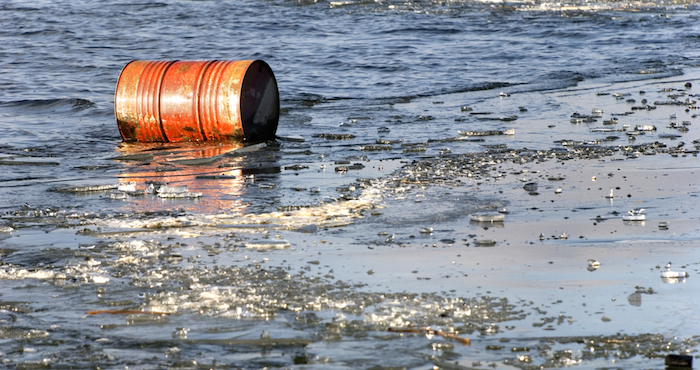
67, 105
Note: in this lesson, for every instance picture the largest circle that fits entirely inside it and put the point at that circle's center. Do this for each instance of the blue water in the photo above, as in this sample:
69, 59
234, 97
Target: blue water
345, 67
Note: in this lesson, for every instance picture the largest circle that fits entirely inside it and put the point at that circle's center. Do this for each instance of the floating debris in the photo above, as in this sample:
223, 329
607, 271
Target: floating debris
184, 195
485, 243
429, 333
607, 129
375, 148
530, 186
87, 189
504, 119
645, 128
268, 244
335, 136
127, 187
171, 189
415, 149
593, 265
674, 361
487, 217
292, 138
295, 167
634, 215
635, 299
487, 133
669, 276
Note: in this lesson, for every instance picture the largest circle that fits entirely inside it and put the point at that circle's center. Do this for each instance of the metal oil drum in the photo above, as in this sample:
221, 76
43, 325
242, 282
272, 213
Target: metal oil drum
174, 101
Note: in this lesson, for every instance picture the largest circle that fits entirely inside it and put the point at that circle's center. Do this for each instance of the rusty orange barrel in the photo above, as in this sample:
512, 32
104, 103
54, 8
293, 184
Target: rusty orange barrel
171, 101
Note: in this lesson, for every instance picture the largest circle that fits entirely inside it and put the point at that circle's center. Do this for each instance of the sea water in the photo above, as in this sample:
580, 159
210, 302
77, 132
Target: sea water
302, 252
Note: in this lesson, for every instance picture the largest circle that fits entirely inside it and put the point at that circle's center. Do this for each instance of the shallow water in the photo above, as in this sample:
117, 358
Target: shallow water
304, 251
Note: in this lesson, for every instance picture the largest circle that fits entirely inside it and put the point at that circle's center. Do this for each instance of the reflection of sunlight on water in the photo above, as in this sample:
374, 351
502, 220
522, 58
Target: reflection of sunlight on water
195, 165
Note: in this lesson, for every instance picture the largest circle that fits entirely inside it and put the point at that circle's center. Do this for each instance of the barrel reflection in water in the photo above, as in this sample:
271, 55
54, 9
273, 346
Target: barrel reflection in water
208, 176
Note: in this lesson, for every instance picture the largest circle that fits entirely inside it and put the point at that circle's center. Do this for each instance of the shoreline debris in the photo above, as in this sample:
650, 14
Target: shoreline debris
487, 217
634, 215
509, 131
430, 332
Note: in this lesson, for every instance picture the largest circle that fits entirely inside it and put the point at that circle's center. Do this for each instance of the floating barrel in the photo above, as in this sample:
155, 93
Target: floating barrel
172, 101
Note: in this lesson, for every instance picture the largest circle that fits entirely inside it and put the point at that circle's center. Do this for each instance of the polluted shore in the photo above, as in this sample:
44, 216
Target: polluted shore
523, 253
448, 185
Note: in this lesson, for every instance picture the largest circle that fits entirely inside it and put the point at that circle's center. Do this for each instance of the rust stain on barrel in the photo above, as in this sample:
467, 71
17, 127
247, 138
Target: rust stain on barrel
196, 101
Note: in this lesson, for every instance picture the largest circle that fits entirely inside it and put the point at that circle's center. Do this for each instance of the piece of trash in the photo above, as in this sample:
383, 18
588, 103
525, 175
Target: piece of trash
172, 189
593, 265
127, 187
487, 217
674, 274
671, 277
244, 85
679, 360
485, 243
634, 215
487, 133
180, 195
86, 189
431, 332
271, 244
530, 186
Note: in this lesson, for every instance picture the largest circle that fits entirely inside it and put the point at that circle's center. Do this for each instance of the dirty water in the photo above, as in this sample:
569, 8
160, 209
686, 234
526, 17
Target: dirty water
349, 241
